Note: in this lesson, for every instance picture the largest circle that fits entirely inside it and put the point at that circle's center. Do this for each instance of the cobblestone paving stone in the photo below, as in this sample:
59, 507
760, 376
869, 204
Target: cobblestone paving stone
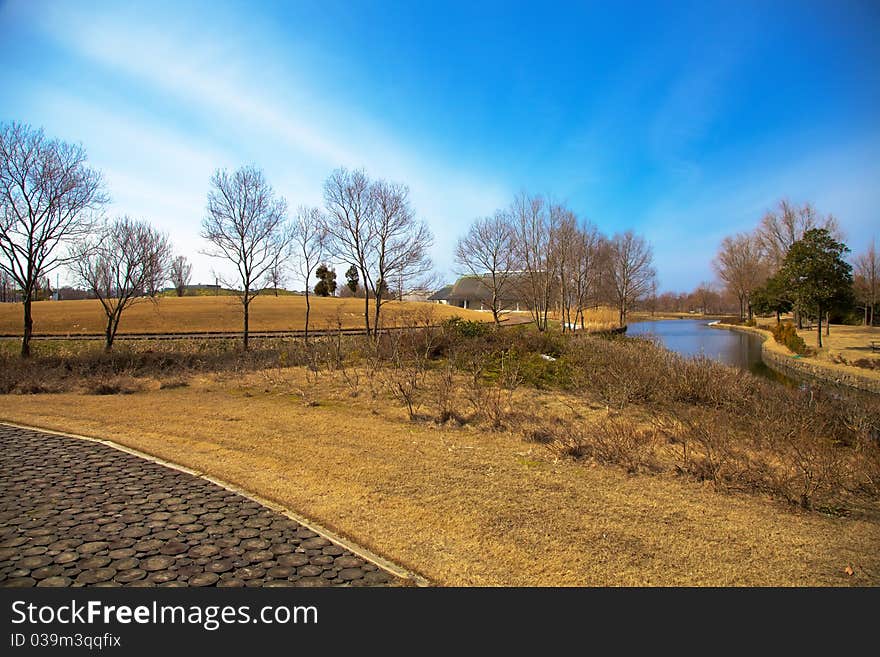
78, 513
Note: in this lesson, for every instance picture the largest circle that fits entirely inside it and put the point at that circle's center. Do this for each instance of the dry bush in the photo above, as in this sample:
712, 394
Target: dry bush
445, 398
405, 381
115, 385
616, 441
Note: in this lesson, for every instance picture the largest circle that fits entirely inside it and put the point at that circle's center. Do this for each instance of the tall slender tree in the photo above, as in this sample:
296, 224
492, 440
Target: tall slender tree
631, 270
350, 205
534, 222
867, 277
740, 264
488, 252
309, 236
398, 246
246, 225
48, 198
181, 274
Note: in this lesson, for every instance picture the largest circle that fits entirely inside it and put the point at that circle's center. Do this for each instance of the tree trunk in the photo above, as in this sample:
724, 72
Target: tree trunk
247, 304
828, 323
308, 310
366, 302
28, 328
495, 309
109, 335
378, 303
819, 327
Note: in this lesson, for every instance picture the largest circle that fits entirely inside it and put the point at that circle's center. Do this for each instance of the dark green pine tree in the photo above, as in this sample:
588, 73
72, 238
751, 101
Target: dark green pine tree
326, 285
772, 297
352, 279
816, 275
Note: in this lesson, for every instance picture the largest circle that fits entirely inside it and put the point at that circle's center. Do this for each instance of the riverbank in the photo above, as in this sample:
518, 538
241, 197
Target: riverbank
641, 316
778, 357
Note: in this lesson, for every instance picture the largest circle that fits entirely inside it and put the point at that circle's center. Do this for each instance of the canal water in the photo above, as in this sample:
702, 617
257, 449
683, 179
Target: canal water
694, 337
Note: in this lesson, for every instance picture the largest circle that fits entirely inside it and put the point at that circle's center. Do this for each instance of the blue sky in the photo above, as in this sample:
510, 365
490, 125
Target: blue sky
684, 121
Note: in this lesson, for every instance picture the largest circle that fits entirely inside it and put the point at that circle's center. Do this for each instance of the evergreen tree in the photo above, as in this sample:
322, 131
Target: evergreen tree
326, 285
772, 297
352, 279
816, 275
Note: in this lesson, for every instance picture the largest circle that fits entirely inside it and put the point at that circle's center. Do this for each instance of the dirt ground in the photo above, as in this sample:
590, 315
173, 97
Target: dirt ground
461, 505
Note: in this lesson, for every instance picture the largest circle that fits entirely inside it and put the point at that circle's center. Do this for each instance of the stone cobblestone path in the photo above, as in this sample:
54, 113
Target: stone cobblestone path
78, 513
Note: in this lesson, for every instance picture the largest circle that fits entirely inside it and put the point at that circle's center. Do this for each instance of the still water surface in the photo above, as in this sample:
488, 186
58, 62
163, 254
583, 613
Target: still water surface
694, 337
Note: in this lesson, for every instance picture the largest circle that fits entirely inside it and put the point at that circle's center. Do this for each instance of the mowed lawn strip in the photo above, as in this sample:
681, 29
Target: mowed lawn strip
469, 507
220, 314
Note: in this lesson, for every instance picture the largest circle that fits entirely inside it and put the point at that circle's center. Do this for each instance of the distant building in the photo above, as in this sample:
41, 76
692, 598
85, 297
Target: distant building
474, 293
417, 294
441, 295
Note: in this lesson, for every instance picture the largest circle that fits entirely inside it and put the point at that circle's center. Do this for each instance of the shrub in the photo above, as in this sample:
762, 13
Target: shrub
785, 333
465, 328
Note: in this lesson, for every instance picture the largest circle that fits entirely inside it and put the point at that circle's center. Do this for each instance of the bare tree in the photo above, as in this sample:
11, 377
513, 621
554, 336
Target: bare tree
350, 205
587, 268
181, 274
488, 252
782, 227
740, 264
245, 224
704, 295
576, 252
276, 277
121, 265
309, 236
399, 245
534, 220
47, 195
6, 290
867, 271
630, 270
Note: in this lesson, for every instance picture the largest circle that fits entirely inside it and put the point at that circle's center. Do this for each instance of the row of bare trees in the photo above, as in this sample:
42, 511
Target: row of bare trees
541, 252
706, 298
746, 261
51, 203
367, 224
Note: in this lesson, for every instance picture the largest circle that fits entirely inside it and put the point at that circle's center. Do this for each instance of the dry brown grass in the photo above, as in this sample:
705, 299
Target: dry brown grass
460, 504
221, 313
600, 318
844, 346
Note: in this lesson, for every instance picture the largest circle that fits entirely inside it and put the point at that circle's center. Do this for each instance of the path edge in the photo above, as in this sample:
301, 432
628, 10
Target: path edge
368, 555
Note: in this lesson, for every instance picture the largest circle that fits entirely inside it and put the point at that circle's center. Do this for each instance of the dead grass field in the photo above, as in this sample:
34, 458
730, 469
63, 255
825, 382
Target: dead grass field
220, 313
461, 505
842, 348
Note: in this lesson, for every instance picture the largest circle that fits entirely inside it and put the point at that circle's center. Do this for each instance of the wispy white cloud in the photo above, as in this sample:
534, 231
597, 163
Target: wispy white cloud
258, 113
